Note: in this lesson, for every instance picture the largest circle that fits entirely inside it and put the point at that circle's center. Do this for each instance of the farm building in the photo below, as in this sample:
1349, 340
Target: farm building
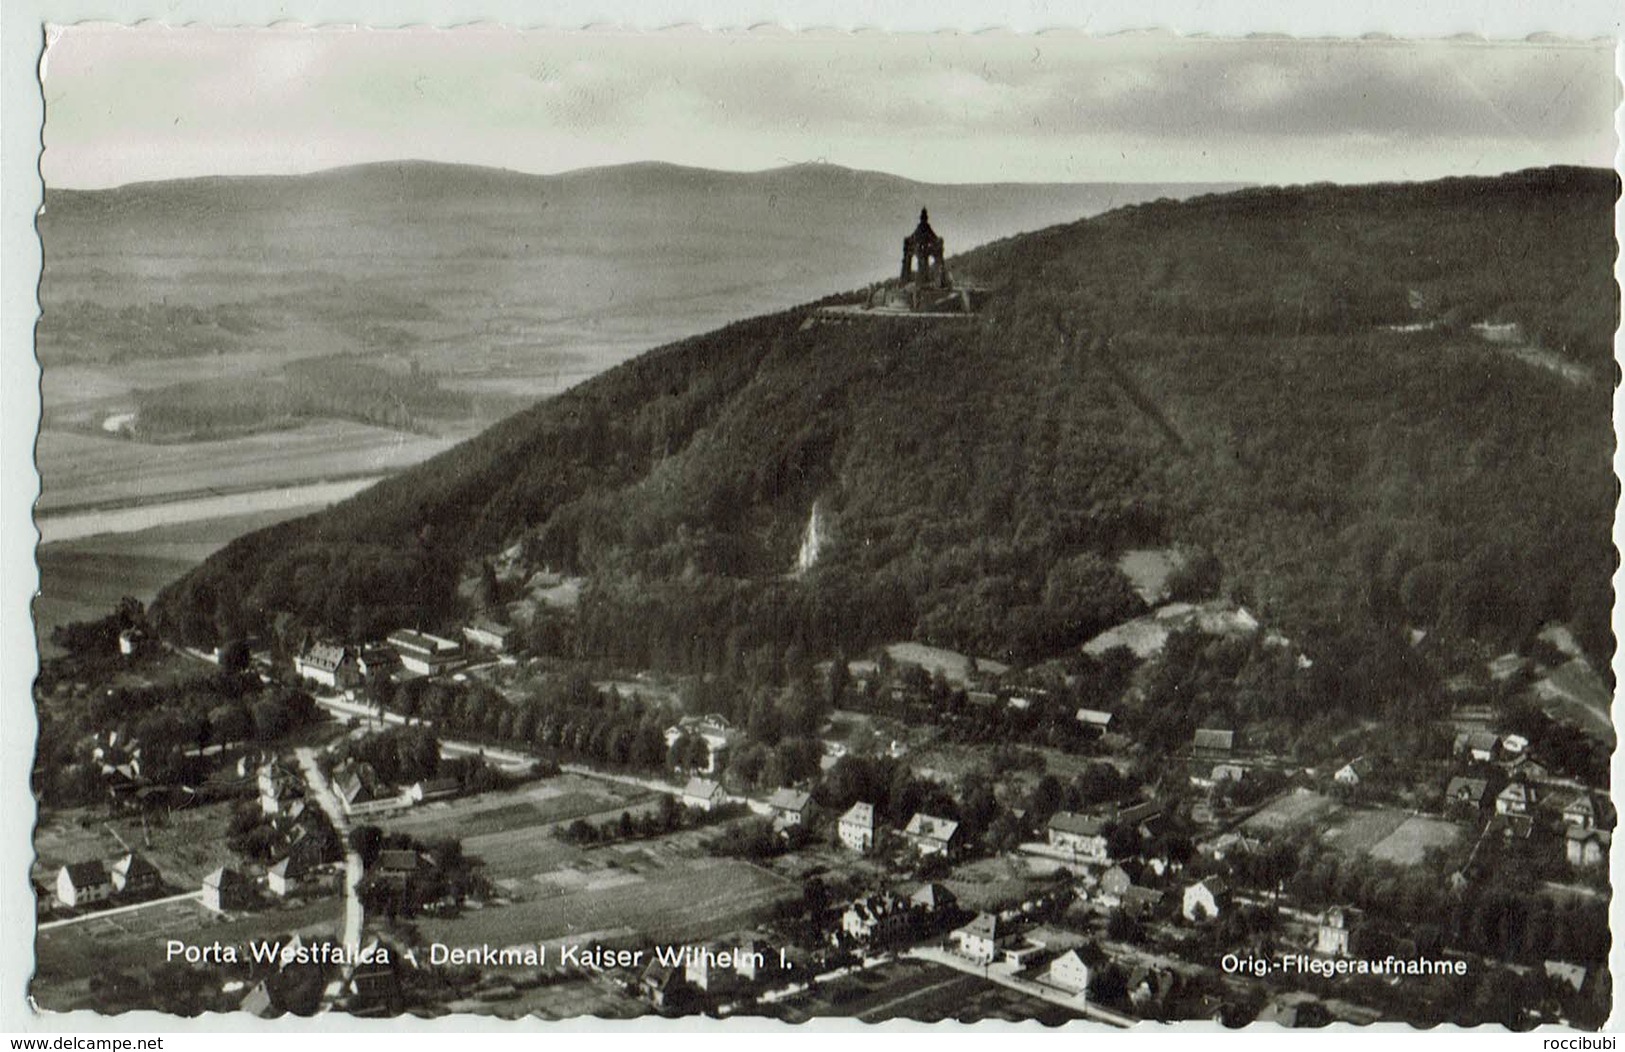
425, 654
857, 827
1205, 899
375, 662
979, 940
1516, 799
1335, 928
1082, 835
713, 729
1478, 746
134, 875
399, 867
1213, 740
1354, 772
1581, 812
489, 634
1465, 797
789, 807
286, 875
226, 889
278, 788
702, 793
433, 789
932, 836
1095, 718
1586, 848
1069, 973
83, 884
329, 664
1141, 902
1113, 883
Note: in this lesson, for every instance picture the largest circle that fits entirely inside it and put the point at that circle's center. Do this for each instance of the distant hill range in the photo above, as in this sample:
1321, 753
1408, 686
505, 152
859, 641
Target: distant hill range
478, 270
1377, 408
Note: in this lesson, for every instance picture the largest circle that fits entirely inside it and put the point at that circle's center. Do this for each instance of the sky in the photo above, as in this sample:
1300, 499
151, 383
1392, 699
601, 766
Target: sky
134, 104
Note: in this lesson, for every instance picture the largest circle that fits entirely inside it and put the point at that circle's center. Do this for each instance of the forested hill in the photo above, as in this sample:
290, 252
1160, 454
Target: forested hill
1290, 379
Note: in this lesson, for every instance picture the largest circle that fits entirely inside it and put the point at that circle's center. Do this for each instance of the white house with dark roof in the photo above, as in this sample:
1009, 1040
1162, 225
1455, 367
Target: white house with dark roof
713, 729
789, 807
488, 633
1095, 718
329, 664
1336, 928
286, 875
83, 884
930, 835
1586, 848
702, 793
1478, 746
1205, 899
1083, 835
856, 827
979, 940
135, 875
1581, 812
1068, 972
1354, 772
226, 889
1464, 797
1516, 799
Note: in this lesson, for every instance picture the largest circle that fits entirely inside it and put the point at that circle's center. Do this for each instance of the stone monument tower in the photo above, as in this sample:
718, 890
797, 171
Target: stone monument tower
923, 257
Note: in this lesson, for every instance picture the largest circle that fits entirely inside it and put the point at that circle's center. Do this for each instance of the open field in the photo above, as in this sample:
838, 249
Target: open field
955, 667
1408, 844
923, 992
184, 846
1387, 834
999, 881
134, 942
533, 809
1359, 832
685, 901
1295, 808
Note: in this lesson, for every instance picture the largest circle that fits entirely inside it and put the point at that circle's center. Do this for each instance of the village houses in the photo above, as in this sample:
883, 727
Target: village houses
1082, 835
857, 827
1205, 899
929, 835
789, 807
83, 884
702, 793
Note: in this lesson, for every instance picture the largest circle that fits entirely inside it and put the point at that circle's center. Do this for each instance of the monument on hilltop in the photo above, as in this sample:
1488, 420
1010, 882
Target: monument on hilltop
923, 262
923, 290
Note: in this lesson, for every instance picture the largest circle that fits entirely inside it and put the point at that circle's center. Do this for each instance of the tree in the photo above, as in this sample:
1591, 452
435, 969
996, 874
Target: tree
230, 723
367, 841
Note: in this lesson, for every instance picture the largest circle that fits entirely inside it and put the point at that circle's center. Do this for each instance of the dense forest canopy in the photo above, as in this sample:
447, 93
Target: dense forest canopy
1289, 379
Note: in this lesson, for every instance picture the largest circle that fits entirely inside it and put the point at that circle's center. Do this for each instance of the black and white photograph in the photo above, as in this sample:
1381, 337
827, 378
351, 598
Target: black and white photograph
804, 526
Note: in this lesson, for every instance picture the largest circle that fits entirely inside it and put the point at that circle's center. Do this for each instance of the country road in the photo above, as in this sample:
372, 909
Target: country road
116, 910
353, 869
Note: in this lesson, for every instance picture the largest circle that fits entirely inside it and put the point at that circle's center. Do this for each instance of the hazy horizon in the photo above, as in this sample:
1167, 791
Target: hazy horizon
128, 105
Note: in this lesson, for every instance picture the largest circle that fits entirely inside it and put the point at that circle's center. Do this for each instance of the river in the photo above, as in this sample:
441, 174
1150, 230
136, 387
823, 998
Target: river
72, 525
